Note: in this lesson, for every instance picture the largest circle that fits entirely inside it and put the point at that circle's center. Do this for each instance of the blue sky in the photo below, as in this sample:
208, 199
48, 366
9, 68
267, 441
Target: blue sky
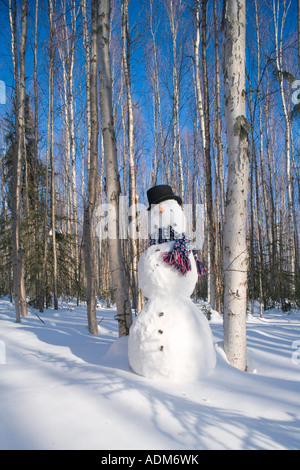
141, 57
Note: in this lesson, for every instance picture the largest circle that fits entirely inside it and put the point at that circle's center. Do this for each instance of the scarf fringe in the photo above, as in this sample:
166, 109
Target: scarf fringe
178, 260
179, 255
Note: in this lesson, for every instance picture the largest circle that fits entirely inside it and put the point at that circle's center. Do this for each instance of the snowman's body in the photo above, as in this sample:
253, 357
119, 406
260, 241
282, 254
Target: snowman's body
170, 339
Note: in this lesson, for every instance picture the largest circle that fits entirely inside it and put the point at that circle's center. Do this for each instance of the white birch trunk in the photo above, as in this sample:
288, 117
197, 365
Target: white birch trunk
172, 5
132, 180
199, 100
72, 136
157, 99
279, 31
205, 144
111, 166
45, 216
86, 44
16, 171
220, 171
18, 279
235, 256
52, 160
88, 233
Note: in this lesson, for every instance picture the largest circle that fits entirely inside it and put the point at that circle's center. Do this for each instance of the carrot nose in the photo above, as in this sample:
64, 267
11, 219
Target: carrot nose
161, 209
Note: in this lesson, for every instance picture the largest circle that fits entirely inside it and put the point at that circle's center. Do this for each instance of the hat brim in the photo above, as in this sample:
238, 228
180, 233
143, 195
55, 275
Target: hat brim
166, 198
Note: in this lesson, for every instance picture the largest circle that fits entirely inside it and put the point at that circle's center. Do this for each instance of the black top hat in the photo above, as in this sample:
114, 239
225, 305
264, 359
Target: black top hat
161, 193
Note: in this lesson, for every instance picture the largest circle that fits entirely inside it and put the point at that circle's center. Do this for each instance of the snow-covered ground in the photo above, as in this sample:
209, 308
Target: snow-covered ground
62, 388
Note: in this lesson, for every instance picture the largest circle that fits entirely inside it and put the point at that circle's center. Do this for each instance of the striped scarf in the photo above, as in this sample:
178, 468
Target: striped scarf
179, 255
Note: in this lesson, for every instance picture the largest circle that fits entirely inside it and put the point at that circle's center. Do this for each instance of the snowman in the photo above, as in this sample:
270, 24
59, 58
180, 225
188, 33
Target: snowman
170, 339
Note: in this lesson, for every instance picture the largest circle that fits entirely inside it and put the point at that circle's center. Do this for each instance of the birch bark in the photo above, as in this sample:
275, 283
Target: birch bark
215, 297
279, 30
157, 101
205, 136
45, 221
88, 235
72, 139
18, 279
86, 44
16, 170
111, 165
174, 24
52, 161
132, 170
235, 257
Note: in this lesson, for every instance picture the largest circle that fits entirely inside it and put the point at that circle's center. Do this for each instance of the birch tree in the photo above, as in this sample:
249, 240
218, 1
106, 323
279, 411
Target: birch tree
71, 48
113, 188
173, 10
279, 32
157, 106
66, 49
16, 197
86, 44
235, 258
88, 233
45, 228
219, 162
208, 170
126, 42
19, 75
51, 144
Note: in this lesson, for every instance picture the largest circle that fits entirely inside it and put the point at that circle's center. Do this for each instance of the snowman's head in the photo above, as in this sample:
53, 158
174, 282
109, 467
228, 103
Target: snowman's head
167, 214
160, 193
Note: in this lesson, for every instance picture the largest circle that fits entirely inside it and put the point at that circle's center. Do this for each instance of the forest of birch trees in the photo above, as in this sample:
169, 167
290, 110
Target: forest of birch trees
68, 151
